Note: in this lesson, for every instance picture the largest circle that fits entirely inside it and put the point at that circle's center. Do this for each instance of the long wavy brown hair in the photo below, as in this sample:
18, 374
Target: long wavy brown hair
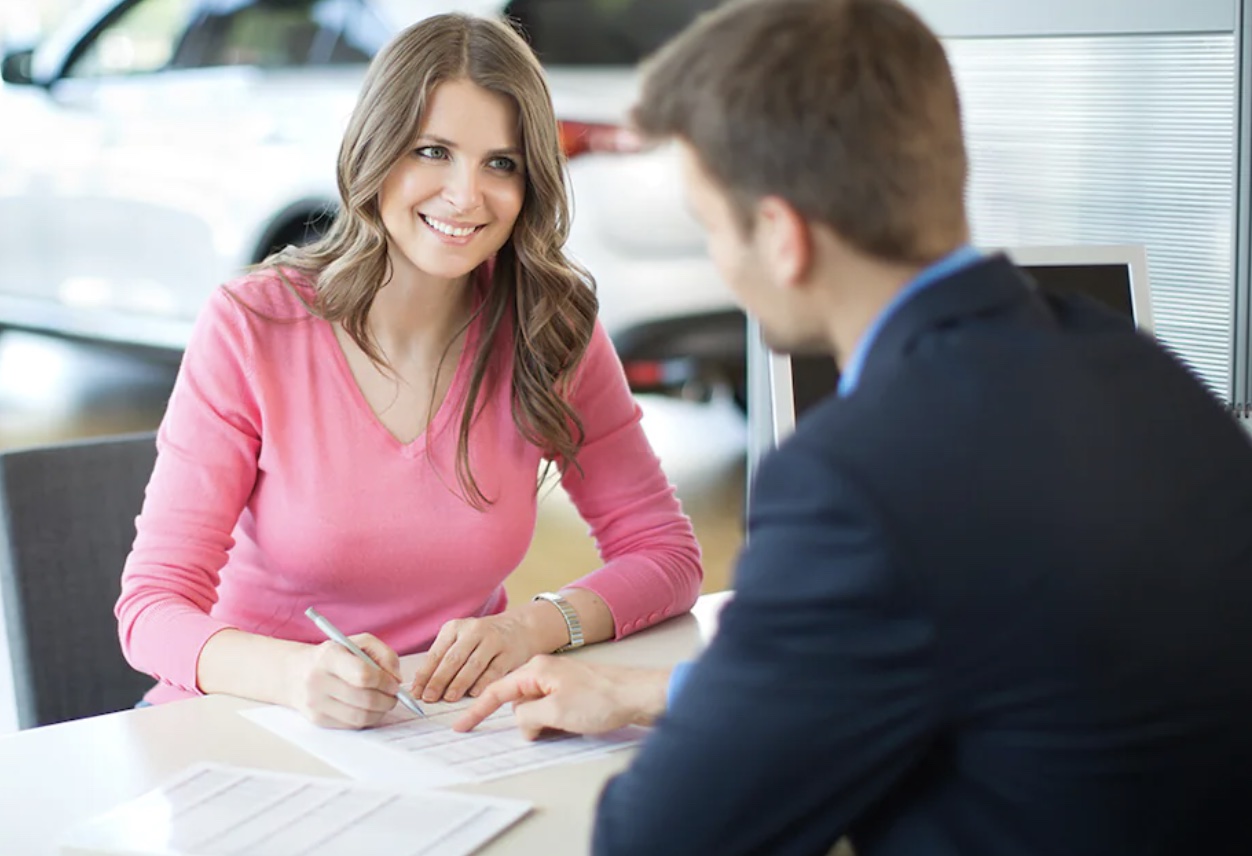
547, 300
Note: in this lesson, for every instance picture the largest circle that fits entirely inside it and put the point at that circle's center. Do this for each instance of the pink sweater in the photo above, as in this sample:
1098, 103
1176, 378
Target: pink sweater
276, 489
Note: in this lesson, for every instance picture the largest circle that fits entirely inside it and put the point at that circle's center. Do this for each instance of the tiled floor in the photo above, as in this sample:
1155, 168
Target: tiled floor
52, 390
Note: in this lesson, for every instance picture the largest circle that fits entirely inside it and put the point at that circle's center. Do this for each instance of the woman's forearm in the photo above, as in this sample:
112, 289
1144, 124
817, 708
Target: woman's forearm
250, 666
548, 625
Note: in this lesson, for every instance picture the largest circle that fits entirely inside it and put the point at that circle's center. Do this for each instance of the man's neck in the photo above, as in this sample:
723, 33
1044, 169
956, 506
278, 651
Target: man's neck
867, 289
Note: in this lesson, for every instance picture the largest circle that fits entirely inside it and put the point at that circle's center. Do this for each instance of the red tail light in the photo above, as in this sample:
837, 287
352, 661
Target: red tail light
581, 138
641, 374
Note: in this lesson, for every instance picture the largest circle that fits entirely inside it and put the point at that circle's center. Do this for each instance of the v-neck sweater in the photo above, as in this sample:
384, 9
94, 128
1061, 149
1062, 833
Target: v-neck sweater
277, 488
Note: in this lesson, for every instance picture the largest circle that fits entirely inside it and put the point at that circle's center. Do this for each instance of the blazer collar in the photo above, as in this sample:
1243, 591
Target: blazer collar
987, 285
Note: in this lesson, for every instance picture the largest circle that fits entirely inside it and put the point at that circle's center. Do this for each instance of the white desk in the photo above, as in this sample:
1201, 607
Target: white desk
54, 777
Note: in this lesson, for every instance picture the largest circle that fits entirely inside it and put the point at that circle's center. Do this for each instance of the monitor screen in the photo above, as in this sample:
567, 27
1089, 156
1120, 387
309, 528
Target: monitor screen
1106, 284
786, 387
815, 377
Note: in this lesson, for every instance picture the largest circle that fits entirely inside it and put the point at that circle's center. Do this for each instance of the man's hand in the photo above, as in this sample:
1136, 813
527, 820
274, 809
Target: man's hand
568, 695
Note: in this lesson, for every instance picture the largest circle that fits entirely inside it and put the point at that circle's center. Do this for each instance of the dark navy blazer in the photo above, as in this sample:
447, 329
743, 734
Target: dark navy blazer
996, 601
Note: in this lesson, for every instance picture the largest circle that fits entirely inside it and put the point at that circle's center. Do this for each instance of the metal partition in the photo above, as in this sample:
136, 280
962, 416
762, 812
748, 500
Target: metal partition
1117, 121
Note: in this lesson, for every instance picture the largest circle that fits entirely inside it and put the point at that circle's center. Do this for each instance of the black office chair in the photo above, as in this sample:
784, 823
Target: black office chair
67, 521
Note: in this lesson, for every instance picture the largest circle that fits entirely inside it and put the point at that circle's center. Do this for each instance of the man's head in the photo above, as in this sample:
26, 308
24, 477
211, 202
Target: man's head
813, 133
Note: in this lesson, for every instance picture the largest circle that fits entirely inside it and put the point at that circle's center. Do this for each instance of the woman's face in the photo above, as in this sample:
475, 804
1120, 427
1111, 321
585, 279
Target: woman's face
451, 201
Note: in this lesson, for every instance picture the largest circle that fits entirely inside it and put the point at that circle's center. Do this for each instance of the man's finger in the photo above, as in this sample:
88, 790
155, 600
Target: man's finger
507, 689
536, 716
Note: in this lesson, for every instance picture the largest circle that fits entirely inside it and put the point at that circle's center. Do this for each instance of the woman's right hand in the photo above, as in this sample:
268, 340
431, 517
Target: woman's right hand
335, 689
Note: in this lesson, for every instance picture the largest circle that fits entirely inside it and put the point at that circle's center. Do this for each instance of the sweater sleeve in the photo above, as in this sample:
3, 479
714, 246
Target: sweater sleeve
651, 558
206, 466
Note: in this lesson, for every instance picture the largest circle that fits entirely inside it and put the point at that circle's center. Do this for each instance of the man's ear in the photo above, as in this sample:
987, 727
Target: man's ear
785, 241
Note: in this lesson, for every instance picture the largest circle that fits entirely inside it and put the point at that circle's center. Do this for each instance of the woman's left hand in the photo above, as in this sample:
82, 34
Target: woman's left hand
470, 653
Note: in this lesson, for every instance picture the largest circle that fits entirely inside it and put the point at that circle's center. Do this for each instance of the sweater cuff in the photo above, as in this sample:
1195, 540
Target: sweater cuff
631, 594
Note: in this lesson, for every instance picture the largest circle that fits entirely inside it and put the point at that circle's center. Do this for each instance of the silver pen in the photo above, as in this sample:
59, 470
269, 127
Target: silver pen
336, 635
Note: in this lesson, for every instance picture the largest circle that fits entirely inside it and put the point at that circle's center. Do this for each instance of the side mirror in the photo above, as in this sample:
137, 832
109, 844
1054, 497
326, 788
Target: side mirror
15, 68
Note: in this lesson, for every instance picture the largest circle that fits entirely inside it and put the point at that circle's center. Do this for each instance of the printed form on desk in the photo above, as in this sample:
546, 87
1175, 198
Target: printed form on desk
215, 810
408, 750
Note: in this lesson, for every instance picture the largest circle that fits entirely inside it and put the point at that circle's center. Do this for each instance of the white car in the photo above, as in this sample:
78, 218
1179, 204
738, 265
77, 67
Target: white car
150, 149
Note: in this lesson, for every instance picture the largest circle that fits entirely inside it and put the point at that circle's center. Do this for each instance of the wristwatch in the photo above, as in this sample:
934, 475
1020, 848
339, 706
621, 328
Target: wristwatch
572, 623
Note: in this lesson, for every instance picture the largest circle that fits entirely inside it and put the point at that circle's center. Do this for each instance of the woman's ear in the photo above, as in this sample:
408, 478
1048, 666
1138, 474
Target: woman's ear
784, 240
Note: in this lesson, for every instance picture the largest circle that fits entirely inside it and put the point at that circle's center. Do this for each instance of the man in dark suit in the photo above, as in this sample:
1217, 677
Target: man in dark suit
997, 595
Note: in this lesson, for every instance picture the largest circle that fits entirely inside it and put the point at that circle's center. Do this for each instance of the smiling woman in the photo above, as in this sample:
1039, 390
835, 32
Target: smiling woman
461, 186
360, 425
495, 97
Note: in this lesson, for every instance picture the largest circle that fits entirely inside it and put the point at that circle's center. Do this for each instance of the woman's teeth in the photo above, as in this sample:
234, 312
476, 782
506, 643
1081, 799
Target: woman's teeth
446, 229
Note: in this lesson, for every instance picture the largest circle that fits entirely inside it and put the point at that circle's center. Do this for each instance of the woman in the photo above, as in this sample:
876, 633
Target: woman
359, 426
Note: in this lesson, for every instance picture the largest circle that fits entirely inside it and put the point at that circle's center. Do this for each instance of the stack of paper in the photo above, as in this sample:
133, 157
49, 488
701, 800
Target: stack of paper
215, 810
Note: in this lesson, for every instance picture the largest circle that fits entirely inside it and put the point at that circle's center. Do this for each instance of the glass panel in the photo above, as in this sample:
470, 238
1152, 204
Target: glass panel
602, 32
266, 33
352, 33
140, 40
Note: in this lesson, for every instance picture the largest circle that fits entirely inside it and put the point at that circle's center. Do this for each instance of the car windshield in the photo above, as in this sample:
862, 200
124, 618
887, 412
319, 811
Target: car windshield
602, 32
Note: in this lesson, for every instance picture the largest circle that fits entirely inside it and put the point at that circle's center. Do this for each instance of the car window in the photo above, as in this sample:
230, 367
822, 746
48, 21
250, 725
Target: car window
140, 39
602, 32
279, 34
359, 33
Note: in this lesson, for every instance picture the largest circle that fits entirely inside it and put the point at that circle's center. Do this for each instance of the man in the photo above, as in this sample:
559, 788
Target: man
997, 594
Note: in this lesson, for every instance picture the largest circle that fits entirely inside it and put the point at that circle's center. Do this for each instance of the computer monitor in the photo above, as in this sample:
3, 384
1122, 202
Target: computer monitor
781, 388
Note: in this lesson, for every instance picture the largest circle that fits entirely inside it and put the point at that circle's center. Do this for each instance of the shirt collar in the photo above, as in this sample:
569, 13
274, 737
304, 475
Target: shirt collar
960, 258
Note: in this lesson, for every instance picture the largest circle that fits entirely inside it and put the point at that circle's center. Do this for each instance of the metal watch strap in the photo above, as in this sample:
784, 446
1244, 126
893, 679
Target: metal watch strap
572, 623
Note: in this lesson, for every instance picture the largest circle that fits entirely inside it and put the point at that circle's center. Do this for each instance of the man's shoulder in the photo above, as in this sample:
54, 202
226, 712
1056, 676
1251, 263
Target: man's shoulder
826, 470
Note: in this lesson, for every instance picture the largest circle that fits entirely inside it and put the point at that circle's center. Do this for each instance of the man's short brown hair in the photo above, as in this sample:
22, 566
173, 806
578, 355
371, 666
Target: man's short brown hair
845, 108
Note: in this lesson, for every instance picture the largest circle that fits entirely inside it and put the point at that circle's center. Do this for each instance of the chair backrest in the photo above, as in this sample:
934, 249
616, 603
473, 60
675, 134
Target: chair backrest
67, 522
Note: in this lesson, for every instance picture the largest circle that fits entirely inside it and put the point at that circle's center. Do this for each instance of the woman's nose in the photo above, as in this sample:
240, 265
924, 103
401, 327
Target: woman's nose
463, 191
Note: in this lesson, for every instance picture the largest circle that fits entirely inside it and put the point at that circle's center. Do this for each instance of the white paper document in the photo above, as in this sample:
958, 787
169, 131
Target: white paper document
216, 810
409, 750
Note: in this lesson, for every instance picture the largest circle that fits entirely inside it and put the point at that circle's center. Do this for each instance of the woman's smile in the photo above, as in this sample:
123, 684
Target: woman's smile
452, 232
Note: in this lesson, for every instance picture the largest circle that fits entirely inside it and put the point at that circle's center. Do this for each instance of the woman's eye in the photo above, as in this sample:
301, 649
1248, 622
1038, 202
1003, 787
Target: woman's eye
503, 164
432, 152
